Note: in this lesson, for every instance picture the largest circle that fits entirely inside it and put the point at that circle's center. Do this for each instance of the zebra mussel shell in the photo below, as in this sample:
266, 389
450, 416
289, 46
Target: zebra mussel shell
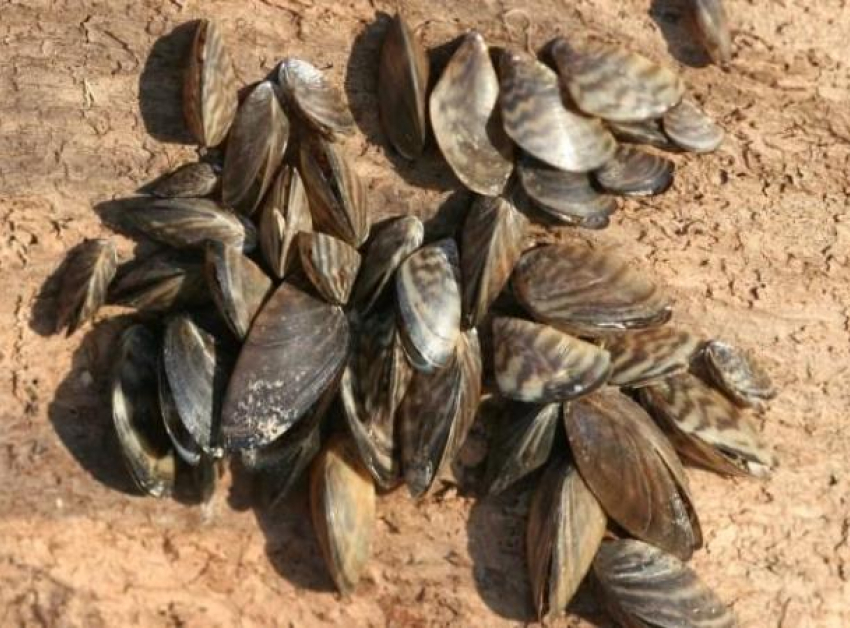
738, 374
642, 357
183, 442
645, 586
403, 74
712, 28
190, 180
690, 128
306, 90
166, 280
88, 272
464, 117
634, 172
284, 214
647, 132
210, 88
330, 264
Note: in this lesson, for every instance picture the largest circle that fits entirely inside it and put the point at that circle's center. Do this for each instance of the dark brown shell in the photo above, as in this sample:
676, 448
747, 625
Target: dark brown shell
615, 84
691, 129
168, 279
634, 172
296, 349
85, 281
737, 374
184, 443
536, 119
285, 213
491, 244
336, 193
647, 132
309, 93
210, 88
330, 264
402, 84
429, 304
188, 181
466, 122
587, 292
712, 27
653, 588
539, 364
633, 470
255, 149
641, 357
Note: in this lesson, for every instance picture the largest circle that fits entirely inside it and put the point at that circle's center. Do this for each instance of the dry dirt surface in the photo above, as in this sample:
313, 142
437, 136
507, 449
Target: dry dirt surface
753, 242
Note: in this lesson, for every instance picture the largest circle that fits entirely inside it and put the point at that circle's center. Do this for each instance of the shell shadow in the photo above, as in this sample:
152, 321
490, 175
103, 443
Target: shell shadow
161, 86
675, 23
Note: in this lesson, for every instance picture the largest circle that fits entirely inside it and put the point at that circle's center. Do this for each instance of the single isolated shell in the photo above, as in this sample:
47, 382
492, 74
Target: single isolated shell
197, 370
308, 92
568, 197
707, 428
466, 121
254, 149
615, 84
634, 172
184, 443
539, 364
188, 181
85, 280
491, 244
437, 414
135, 412
392, 243
330, 264
403, 74
188, 223
647, 132
296, 349
342, 503
572, 287
691, 128
712, 27
336, 193
237, 285
644, 586
520, 442
641, 357
210, 88
633, 470
428, 293
168, 279
565, 528
284, 214
536, 119
738, 374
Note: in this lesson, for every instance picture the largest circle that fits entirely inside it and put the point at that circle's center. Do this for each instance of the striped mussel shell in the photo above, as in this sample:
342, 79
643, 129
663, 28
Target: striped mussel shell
536, 119
707, 428
429, 304
466, 122
616, 84
336, 193
568, 197
192, 180
648, 132
209, 89
308, 92
587, 292
391, 243
437, 413
197, 367
237, 285
255, 149
643, 585
343, 505
738, 374
633, 470
185, 445
330, 264
565, 529
86, 276
188, 223
372, 388
641, 357
296, 349
635, 172
166, 280
285, 213
491, 244
691, 129
145, 445
520, 442
403, 73
536, 363
712, 27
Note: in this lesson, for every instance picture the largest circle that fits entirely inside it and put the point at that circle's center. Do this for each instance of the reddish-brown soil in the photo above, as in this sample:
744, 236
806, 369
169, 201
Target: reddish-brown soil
753, 242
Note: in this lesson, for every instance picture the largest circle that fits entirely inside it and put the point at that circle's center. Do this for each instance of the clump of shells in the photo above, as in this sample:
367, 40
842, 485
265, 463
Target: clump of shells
361, 353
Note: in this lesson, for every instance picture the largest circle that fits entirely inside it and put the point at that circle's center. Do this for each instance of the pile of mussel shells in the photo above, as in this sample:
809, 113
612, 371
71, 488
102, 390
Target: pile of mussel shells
279, 328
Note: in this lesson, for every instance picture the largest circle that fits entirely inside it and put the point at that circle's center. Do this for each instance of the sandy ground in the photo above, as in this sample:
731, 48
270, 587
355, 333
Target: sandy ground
753, 242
